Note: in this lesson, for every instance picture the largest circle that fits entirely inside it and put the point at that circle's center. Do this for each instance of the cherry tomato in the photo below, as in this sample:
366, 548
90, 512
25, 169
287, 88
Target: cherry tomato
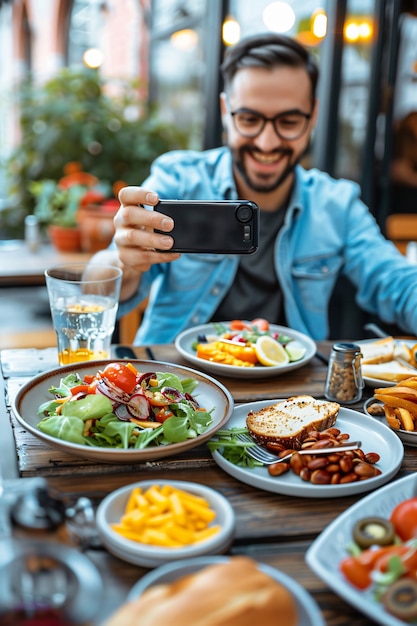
261, 324
239, 325
357, 569
163, 414
356, 572
120, 375
404, 518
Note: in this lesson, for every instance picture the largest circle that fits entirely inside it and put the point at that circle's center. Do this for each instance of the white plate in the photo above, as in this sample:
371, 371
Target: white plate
326, 552
375, 437
378, 382
111, 509
407, 437
375, 383
209, 392
309, 613
185, 340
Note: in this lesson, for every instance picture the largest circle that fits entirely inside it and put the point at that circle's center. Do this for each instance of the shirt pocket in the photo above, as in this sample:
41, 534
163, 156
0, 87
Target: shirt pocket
314, 279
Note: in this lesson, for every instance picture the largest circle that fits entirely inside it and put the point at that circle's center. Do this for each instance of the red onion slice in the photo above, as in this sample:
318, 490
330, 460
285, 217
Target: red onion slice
172, 394
122, 412
138, 406
109, 391
145, 378
192, 401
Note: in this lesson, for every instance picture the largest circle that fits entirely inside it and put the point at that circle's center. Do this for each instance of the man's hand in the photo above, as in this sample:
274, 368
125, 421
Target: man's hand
135, 238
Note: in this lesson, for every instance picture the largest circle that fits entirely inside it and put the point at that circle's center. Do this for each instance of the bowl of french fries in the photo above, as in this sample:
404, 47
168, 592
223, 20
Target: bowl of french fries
151, 523
398, 406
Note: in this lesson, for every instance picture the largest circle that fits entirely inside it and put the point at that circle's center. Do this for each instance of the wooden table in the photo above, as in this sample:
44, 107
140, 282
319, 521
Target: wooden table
271, 528
21, 267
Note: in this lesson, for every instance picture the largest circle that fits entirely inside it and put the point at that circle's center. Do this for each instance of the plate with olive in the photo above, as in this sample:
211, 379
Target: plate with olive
384, 518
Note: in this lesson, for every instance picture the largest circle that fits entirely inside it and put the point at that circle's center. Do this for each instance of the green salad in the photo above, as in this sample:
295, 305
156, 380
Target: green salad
120, 407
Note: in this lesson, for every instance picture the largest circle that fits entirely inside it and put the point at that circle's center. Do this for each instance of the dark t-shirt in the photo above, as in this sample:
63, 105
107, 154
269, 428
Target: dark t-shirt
256, 291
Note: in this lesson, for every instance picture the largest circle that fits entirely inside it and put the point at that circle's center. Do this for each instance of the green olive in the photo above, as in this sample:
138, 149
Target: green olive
400, 599
373, 531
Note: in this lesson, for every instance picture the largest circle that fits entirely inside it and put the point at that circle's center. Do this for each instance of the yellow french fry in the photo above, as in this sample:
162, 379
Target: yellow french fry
160, 520
177, 508
406, 419
127, 533
402, 403
203, 512
202, 535
166, 516
134, 518
410, 382
180, 534
131, 503
159, 538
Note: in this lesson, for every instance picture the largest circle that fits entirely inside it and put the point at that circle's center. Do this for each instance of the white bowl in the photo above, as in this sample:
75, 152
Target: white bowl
113, 506
309, 613
408, 437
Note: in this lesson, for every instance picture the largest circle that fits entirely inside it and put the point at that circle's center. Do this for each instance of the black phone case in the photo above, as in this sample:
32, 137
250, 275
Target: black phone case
216, 227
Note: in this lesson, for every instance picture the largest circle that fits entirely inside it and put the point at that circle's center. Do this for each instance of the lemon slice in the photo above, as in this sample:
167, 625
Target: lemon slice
270, 352
295, 353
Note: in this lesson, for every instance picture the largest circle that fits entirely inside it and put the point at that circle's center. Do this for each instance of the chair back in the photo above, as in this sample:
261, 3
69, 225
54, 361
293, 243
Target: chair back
401, 229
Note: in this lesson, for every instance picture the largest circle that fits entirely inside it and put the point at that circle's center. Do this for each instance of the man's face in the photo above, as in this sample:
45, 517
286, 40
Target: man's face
264, 162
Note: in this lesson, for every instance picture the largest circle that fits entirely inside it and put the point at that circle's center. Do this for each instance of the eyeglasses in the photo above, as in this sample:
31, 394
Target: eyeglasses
288, 125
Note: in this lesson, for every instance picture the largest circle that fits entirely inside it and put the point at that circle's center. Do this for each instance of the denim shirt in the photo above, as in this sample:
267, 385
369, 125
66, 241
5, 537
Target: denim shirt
327, 231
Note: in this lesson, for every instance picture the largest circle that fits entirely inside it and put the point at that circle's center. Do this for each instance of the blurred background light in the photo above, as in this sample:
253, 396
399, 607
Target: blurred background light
230, 31
93, 58
358, 30
319, 23
279, 17
185, 39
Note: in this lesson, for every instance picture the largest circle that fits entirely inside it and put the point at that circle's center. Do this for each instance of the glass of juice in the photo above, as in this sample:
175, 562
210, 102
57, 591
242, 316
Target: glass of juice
84, 299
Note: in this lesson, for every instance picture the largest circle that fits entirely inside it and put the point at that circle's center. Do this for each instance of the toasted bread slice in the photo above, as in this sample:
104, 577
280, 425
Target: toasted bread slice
392, 371
402, 351
379, 351
290, 421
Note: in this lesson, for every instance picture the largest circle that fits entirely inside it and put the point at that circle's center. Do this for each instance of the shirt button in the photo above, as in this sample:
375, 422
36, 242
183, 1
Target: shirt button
325, 269
195, 319
215, 291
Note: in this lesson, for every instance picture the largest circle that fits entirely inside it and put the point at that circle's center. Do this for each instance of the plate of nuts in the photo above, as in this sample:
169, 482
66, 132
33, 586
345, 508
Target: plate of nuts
337, 474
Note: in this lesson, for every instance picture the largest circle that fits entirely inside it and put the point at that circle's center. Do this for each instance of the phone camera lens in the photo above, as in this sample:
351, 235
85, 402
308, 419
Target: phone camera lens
244, 213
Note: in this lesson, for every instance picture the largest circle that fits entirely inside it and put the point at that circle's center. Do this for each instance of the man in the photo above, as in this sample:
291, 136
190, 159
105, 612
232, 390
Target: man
313, 228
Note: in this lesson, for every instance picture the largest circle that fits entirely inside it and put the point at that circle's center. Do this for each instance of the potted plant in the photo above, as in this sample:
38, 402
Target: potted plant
73, 118
58, 205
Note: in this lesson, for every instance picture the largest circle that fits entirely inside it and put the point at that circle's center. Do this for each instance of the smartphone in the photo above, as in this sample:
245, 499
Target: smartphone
212, 226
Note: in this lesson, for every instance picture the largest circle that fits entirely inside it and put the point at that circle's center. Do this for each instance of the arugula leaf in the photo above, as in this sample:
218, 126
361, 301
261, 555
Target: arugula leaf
65, 384
147, 435
186, 423
232, 448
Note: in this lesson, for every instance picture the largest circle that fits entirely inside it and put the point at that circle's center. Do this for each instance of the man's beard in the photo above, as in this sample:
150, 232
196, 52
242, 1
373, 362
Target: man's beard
238, 161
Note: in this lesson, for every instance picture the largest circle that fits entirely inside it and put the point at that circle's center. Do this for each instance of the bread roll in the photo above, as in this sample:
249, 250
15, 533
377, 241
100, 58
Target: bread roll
235, 593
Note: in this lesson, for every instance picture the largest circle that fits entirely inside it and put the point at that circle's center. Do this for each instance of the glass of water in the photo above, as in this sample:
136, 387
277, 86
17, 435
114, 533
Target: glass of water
84, 299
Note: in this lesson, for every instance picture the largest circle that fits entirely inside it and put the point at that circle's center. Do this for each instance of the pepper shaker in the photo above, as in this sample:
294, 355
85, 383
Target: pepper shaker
344, 381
